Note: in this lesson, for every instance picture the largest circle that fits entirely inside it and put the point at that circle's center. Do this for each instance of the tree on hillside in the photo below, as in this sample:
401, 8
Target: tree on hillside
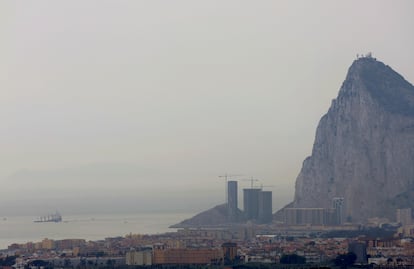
292, 259
8, 261
345, 260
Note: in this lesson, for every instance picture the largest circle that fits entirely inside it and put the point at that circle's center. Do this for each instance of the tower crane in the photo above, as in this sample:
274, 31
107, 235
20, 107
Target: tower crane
226, 177
267, 186
251, 181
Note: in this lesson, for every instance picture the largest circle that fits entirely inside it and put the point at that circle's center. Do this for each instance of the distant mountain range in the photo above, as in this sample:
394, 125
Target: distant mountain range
101, 188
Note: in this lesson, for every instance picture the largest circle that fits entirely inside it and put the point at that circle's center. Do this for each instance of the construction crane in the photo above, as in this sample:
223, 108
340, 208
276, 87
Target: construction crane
226, 178
251, 181
267, 186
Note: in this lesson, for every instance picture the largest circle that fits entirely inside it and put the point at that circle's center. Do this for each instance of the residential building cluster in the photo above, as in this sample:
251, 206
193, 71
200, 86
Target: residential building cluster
253, 241
317, 216
219, 246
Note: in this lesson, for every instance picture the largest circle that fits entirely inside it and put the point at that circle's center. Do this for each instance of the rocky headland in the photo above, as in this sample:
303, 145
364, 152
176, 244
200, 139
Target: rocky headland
363, 150
364, 146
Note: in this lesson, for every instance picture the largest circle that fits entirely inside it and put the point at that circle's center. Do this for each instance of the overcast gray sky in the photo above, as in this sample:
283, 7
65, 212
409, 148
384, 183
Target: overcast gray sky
126, 98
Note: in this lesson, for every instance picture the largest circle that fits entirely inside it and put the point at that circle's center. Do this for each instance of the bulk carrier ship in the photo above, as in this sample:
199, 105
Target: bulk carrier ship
55, 217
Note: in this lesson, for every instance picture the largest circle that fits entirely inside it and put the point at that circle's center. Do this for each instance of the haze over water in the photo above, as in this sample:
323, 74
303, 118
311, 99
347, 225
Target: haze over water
123, 106
22, 229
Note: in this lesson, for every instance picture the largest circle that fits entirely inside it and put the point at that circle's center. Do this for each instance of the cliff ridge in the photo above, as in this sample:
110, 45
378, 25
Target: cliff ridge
364, 146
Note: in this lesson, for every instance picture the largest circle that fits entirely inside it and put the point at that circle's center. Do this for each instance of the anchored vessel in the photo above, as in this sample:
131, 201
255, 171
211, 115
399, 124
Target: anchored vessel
55, 217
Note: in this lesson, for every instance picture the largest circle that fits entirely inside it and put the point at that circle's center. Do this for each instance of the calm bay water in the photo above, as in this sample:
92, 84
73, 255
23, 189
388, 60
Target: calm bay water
22, 229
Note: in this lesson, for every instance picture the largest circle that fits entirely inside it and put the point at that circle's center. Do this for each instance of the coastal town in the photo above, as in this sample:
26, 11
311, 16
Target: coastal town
228, 236
229, 247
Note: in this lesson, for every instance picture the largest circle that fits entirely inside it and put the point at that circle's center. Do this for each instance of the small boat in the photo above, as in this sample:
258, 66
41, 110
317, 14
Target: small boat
55, 217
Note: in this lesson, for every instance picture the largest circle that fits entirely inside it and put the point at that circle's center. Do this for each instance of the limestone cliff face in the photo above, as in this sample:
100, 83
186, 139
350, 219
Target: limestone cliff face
364, 146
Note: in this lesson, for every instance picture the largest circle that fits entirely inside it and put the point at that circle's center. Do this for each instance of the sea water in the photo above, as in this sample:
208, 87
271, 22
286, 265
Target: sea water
22, 229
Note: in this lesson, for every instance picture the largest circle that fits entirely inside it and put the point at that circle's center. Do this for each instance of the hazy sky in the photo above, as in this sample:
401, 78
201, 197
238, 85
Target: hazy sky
153, 100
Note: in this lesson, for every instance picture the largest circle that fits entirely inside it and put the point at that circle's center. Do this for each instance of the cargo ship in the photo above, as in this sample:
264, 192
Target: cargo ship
55, 217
